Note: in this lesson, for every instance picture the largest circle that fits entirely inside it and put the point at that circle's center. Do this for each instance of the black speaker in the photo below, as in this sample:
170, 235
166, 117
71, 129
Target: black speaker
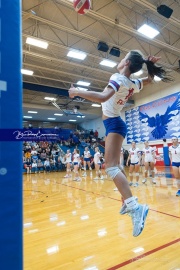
115, 51
165, 11
102, 46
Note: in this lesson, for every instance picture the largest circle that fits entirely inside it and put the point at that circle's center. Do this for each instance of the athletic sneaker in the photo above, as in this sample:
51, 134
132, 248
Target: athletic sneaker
84, 174
153, 181
136, 184
115, 189
124, 209
66, 176
77, 179
102, 177
138, 218
144, 181
96, 178
131, 183
178, 193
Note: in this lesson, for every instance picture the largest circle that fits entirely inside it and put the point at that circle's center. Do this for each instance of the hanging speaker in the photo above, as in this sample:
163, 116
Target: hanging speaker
102, 46
115, 51
165, 11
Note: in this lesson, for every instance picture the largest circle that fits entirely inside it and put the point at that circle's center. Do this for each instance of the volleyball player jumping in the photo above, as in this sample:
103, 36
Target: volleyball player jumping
120, 87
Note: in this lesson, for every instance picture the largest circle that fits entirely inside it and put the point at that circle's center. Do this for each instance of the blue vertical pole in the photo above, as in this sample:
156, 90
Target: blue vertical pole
166, 156
10, 152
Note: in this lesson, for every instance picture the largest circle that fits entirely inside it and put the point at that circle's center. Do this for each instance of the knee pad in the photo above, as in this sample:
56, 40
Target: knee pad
152, 171
137, 174
112, 171
130, 174
121, 167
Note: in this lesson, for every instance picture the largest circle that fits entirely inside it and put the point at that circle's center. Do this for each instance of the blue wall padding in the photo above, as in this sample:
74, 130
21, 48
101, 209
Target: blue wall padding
10, 152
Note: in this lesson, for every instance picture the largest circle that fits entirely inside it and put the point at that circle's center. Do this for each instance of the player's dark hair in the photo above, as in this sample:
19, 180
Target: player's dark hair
137, 60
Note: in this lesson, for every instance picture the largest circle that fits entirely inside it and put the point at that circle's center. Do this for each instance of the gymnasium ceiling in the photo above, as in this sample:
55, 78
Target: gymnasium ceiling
114, 22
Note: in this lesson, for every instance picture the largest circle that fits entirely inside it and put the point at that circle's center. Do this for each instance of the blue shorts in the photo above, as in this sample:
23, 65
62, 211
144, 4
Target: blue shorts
86, 159
75, 163
115, 125
134, 163
176, 164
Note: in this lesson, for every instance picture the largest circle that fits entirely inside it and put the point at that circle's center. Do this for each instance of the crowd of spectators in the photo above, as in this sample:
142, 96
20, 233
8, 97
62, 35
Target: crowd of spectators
84, 138
48, 156
42, 156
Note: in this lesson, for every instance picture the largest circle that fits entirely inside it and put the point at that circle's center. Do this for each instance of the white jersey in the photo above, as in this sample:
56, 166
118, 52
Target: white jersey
175, 153
133, 152
87, 154
76, 158
148, 154
68, 158
124, 89
97, 158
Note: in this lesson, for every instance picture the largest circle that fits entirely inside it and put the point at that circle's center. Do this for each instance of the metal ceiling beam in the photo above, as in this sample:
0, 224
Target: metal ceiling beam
49, 58
63, 72
126, 28
108, 21
148, 5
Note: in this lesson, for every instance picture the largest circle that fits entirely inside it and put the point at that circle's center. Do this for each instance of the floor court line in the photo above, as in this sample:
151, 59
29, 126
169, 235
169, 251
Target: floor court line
142, 256
116, 199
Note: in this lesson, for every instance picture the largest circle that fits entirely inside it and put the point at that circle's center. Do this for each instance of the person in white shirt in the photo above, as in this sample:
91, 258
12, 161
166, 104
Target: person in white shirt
134, 157
87, 156
47, 165
148, 160
68, 164
174, 154
76, 161
97, 164
118, 90
33, 152
34, 166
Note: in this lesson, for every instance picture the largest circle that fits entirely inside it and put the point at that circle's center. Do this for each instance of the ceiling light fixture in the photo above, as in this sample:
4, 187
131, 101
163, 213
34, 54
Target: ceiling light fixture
82, 88
37, 42
50, 98
148, 31
83, 83
157, 79
27, 72
108, 63
77, 55
96, 105
138, 73
27, 116
32, 112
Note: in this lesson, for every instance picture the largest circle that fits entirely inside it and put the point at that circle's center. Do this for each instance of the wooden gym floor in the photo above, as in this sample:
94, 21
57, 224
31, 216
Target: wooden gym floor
72, 225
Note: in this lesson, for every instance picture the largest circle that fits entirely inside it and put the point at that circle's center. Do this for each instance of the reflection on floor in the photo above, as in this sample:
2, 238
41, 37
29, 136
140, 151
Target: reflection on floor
76, 225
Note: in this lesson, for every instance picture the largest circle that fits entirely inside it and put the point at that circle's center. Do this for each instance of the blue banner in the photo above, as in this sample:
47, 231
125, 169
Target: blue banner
155, 120
30, 134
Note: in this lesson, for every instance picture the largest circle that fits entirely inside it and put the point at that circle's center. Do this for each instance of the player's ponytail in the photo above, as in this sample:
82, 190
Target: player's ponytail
136, 62
158, 71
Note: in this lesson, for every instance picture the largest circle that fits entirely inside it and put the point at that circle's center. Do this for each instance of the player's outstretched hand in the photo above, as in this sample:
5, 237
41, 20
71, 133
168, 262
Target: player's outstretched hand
153, 59
73, 91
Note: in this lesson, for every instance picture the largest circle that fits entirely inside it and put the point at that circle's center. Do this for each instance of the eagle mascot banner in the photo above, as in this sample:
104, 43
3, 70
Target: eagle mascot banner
155, 120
